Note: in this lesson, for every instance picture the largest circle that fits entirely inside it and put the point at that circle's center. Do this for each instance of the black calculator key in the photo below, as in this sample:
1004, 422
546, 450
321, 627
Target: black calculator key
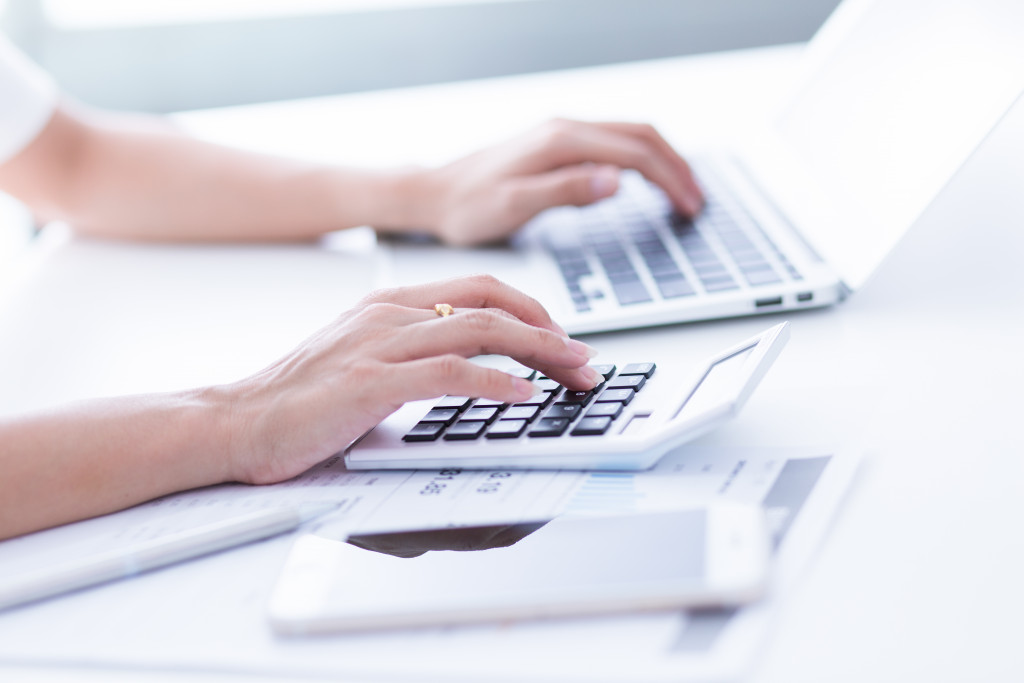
549, 426
612, 410
455, 402
522, 373
645, 369
634, 382
489, 403
606, 371
566, 410
482, 414
443, 415
465, 430
547, 384
520, 413
623, 396
592, 426
506, 429
541, 399
424, 431
581, 397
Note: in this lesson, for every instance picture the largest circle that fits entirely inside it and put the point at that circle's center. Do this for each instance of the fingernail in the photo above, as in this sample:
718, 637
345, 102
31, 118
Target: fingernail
593, 375
580, 348
604, 182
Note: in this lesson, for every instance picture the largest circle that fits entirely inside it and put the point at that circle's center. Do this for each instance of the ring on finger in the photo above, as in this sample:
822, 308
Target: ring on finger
443, 310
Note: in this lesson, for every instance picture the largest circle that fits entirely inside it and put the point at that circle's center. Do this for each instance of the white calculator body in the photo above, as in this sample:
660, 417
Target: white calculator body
640, 413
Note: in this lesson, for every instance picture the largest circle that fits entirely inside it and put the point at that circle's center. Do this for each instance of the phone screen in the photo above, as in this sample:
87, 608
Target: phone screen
565, 555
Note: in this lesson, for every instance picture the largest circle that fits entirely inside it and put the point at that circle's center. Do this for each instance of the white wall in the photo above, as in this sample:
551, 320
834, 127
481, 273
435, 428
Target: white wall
210, 63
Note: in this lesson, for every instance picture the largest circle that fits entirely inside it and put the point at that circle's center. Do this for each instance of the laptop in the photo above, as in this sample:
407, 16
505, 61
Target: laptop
895, 96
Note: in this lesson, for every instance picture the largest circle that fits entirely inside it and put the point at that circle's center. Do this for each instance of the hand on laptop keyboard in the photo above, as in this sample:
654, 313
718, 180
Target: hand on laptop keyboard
487, 195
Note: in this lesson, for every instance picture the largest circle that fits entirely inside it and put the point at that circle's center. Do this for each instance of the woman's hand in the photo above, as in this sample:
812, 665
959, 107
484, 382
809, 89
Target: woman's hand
390, 349
487, 195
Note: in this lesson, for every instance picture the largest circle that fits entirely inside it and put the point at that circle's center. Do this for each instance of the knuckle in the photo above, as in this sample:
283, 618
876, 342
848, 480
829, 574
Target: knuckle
484, 282
379, 295
481, 320
449, 366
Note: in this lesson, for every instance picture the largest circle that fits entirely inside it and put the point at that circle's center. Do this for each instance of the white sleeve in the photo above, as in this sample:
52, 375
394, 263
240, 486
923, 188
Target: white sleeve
27, 100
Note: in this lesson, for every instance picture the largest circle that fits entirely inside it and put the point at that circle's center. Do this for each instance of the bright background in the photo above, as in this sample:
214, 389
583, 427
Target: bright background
170, 55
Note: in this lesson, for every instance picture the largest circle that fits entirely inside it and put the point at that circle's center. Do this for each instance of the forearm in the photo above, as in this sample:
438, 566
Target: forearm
137, 178
100, 456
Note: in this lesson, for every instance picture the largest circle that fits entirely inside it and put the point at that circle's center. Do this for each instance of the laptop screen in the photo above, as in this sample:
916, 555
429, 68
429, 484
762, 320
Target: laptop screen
898, 95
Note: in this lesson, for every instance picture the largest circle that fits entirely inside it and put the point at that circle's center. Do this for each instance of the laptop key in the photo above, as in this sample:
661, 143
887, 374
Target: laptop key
632, 292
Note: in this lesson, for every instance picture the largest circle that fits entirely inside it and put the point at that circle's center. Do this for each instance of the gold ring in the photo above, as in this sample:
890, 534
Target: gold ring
443, 310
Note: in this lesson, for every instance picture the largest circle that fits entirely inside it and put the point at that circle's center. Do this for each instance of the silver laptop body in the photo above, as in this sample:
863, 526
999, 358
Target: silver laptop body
895, 96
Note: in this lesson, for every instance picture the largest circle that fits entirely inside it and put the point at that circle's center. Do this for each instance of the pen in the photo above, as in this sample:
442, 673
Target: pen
159, 552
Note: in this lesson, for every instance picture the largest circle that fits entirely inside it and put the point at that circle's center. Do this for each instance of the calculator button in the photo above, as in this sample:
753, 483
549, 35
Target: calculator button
592, 426
612, 410
488, 403
465, 430
645, 369
522, 373
506, 429
424, 431
482, 414
547, 384
541, 399
455, 402
443, 415
634, 382
623, 396
581, 397
549, 426
605, 371
520, 413
566, 410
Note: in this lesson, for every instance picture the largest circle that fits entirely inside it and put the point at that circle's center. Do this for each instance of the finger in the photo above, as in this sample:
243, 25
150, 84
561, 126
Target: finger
454, 375
572, 185
473, 332
474, 291
573, 143
655, 139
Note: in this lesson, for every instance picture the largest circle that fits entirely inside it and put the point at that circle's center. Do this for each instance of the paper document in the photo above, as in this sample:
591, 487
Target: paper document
210, 614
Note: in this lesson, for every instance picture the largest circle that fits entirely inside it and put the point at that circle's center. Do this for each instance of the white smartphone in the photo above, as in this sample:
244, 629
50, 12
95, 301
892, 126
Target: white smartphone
638, 414
569, 566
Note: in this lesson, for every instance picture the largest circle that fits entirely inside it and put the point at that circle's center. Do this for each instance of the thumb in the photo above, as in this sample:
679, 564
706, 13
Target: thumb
572, 185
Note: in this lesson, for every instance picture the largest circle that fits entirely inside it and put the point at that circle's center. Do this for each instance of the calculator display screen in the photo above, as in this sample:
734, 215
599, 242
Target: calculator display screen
721, 382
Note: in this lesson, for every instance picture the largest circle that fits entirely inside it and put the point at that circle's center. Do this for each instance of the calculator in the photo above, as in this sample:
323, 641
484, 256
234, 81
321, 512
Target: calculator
638, 413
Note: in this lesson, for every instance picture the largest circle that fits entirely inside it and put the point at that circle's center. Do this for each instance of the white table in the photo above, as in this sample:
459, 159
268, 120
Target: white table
920, 578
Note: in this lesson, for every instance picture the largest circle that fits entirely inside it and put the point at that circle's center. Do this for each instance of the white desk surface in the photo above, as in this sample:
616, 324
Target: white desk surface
921, 576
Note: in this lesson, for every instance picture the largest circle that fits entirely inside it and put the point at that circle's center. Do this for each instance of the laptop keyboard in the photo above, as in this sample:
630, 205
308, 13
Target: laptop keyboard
648, 253
555, 412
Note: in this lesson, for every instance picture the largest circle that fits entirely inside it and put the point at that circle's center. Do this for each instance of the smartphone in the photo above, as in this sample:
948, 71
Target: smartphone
568, 566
